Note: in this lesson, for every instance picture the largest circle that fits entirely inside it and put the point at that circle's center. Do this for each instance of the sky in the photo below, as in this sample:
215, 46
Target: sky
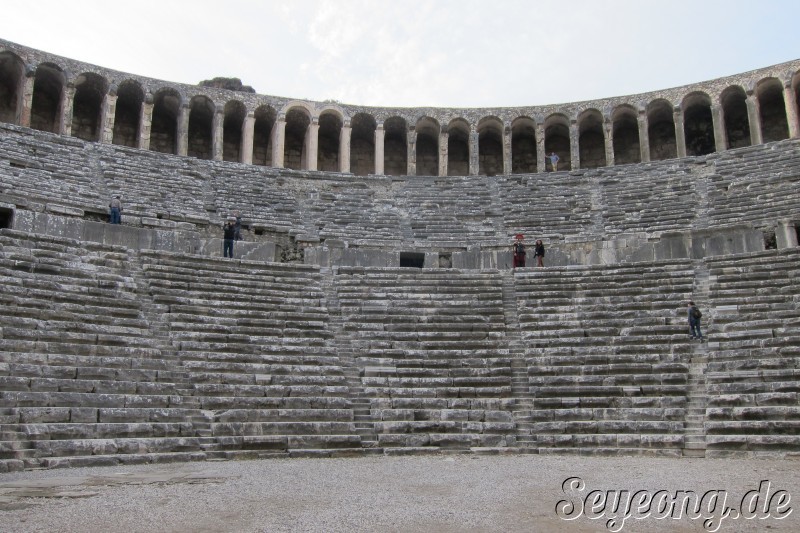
404, 53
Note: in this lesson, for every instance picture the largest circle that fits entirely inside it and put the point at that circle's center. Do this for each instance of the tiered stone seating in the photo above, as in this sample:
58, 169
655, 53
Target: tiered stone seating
753, 375
651, 197
430, 347
48, 169
450, 210
603, 349
757, 185
349, 211
546, 205
82, 380
260, 195
156, 185
255, 352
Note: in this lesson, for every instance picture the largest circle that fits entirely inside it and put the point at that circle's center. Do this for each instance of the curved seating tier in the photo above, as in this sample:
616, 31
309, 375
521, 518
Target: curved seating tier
430, 347
753, 375
604, 351
754, 185
111, 356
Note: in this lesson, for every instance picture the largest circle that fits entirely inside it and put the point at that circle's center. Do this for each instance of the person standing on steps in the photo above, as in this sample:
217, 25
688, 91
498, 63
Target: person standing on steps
115, 211
694, 321
538, 253
518, 249
553, 157
228, 237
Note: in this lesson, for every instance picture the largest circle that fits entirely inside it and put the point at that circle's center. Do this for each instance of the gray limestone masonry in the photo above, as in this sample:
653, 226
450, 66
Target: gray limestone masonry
371, 307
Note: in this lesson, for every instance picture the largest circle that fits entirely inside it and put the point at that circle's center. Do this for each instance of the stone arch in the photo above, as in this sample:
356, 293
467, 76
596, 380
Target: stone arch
772, 110
556, 139
698, 124
12, 74
591, 141
427, 130
362, 144
329, 143
625, 135
796, 92
458, 147
128, 115
232, 131
661, 130
523, 146
90, 90
294, 147
46, 106
164, 124
263, 125
490, 146
201, 127
395, 146
733, 101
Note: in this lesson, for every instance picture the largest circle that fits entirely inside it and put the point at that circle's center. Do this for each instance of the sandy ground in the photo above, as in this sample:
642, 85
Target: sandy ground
395, 494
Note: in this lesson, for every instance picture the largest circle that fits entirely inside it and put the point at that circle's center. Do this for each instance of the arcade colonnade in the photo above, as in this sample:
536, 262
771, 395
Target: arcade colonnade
227, 126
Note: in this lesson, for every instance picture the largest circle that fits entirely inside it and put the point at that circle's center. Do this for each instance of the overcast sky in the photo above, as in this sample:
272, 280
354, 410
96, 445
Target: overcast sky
446, 53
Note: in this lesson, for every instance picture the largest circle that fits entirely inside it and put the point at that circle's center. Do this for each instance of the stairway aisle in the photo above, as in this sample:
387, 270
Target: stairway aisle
520, 389
363, 418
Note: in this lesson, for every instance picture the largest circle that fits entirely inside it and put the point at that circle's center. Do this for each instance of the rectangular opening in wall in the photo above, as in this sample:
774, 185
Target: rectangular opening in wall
6, 218
445, 260
412, 259
770, 241
797, 231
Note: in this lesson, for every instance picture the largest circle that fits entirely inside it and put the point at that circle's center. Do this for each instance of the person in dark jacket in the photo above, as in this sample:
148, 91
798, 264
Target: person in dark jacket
228, 237
538, 253
694, 322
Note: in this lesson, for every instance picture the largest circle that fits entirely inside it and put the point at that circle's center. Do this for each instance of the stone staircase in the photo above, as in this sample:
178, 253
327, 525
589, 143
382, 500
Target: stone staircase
694, 444
520, 385
363, 419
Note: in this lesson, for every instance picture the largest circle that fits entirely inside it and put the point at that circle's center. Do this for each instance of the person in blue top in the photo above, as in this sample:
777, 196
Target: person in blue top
553, 157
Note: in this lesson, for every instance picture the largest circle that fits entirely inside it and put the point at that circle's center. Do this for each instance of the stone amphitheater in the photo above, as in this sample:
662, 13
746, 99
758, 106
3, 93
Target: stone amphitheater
371, 308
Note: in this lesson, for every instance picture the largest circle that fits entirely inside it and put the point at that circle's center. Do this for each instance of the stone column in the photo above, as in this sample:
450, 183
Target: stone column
608, 130
312, 145
217, 130
540, 153
507, 164
644, 137
146, 123
791, 110
786, 234
247, 139
108, 113
67, 98
680, 136
720, 138
380, 150
444, 152
183, 131
574, 145
411, 146
754, 118
344, 147
25, 105
474, 151
278, 139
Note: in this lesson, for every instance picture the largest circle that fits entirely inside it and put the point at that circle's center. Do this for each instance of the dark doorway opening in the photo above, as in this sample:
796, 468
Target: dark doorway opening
6, 218
770, 241
412, 259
